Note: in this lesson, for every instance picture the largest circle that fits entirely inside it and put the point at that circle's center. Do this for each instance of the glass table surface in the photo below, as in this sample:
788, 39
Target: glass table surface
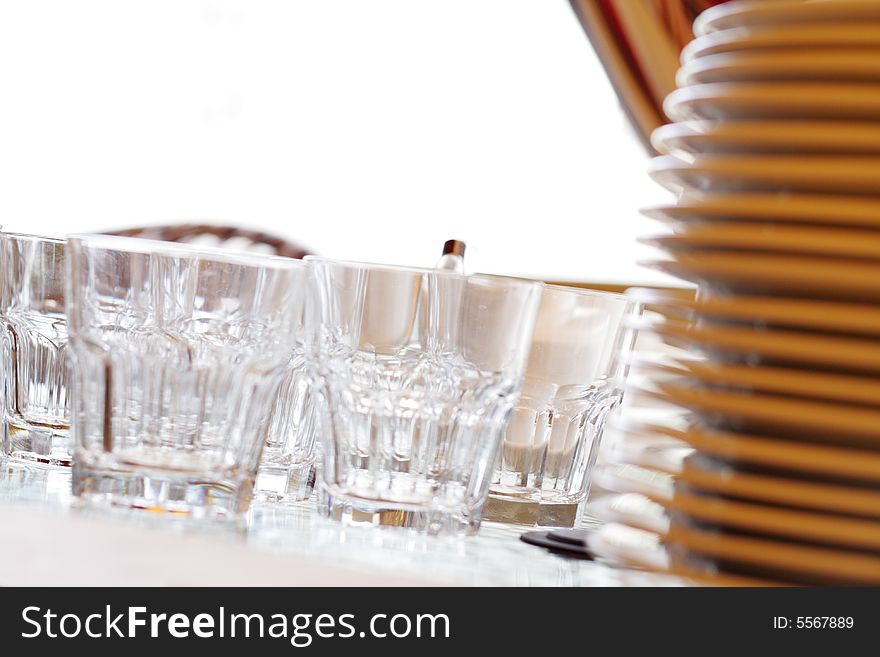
295, 533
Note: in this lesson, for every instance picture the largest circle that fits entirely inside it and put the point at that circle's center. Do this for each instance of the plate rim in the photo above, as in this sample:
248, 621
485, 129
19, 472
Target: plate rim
785, 553
721, 14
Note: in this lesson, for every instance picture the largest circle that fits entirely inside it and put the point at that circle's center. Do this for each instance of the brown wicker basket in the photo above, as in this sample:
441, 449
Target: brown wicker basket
217, 235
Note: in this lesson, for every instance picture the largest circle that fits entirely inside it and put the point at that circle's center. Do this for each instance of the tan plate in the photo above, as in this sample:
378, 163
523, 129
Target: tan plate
862, 319
629, 546
632, 509
844, 354
781, 36
799, 383
822, 563
628, 478
831, 210
774, 100
780, 137
656, 455
706, 578
834, 422
832, 241
814, 64
756, 173
743, 272
794, 456
778, 521
747, 13
633, 547
730, 482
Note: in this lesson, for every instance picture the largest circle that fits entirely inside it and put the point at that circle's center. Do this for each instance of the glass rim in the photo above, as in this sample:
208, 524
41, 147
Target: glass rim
32, 237
378, 266
158, 247
588, 292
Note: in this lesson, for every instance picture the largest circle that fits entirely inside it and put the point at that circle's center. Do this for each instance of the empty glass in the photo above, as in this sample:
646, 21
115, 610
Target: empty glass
177, 353
418, 370
33, 331
287, 469
575, 375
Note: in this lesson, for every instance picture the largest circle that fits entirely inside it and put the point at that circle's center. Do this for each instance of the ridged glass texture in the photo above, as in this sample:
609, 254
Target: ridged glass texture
287, 469
418, 370
575, 377
33, 339
178, 354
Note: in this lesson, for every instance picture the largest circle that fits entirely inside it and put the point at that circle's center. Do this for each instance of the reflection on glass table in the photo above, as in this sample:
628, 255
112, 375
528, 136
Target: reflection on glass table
494, 557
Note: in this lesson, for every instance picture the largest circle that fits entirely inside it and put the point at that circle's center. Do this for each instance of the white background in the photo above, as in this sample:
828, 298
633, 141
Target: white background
372, 130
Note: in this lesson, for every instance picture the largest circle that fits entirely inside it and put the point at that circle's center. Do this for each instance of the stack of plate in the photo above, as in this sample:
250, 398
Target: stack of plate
776, 160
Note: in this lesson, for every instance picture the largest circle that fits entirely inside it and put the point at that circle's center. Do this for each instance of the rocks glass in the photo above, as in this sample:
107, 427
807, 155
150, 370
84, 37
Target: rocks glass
177, 353
575, 375
33, 338
418, 370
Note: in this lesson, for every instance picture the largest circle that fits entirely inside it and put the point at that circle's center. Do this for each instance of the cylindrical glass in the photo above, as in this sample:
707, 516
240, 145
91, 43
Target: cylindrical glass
178, 353
575, 376
418, 370
33, 330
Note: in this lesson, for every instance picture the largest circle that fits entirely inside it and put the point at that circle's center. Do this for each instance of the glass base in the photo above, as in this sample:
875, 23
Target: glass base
177, 494
36, 444
349, 510
284, 484
500, 508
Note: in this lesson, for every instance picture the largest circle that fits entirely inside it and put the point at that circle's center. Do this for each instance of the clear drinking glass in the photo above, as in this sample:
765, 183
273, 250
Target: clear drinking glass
287, 469
574, 379
177, 353
418, 370
33, 330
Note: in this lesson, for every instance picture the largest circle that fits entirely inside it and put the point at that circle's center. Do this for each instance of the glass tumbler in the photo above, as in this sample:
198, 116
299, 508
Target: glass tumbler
574, 379
33, 331
417, 370
177, 356
287, 468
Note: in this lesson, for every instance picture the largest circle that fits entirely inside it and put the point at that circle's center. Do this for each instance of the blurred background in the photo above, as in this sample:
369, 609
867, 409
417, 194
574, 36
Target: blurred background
366, 130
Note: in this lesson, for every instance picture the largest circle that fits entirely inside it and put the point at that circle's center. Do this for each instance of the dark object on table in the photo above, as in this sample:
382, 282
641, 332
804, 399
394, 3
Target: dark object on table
565, 542
218, 235
577, 537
